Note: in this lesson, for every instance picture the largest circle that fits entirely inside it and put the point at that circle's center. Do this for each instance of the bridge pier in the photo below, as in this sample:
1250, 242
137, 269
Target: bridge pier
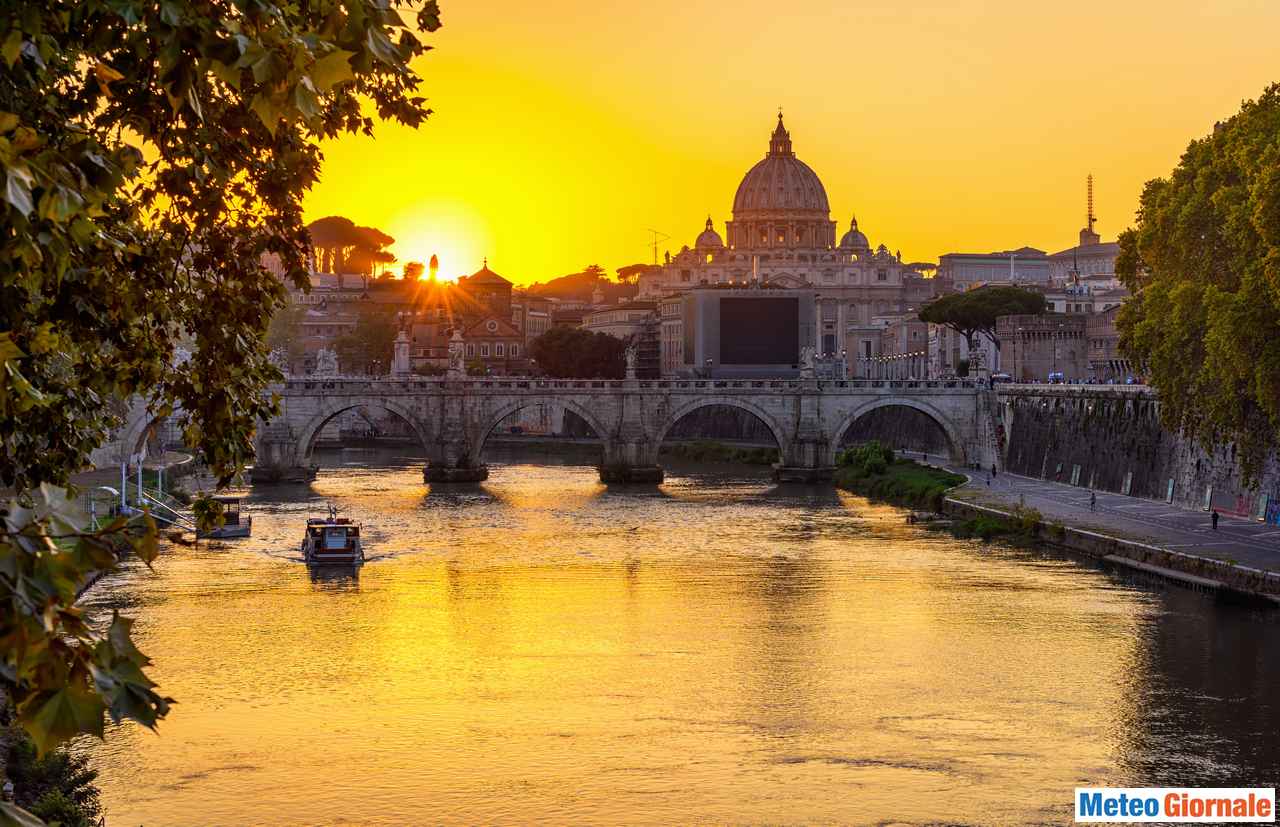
438, 472
277, 457
806, 458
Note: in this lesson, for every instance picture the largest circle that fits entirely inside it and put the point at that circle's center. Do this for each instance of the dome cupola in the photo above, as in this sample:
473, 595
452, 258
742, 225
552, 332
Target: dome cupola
781, 202
854, 239
780, 182
709, 238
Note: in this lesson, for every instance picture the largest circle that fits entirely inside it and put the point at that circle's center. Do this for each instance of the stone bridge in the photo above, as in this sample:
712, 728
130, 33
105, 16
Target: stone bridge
454, 417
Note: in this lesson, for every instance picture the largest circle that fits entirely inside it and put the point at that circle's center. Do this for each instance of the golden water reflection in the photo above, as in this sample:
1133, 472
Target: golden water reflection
543, 649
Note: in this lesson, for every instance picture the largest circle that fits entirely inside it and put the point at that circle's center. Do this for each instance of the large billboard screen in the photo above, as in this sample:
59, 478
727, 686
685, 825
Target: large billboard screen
759, 331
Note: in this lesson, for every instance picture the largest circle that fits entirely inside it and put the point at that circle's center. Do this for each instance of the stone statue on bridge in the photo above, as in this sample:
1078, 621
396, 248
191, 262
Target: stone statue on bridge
632, 354
807, 359
326, 362
280, 359
457, 367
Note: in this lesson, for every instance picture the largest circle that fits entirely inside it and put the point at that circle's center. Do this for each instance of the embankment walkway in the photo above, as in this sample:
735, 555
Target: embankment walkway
1175, 536
1237, 539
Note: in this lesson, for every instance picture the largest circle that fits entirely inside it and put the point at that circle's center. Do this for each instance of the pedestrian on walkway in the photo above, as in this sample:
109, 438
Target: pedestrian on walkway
993, 469
1214, 517
1093, 501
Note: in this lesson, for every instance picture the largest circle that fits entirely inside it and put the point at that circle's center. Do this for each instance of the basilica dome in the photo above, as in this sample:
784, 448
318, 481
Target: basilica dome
854, 239
780, 183
709, 237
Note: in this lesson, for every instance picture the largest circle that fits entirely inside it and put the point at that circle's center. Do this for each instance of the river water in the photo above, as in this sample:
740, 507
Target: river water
719, 649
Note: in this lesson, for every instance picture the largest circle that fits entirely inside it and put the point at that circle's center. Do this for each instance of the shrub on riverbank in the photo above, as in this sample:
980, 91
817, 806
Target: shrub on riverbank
58, 787
708, 451
872, 471
1023, 523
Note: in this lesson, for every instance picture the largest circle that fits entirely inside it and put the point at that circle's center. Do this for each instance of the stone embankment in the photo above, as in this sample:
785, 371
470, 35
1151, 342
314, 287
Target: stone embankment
1219, 576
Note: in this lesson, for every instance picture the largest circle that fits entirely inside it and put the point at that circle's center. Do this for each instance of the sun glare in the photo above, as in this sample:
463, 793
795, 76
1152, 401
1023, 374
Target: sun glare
456, 238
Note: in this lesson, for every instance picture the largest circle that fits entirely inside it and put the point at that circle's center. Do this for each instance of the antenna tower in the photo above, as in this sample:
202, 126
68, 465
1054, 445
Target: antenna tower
1090, 218
658, 235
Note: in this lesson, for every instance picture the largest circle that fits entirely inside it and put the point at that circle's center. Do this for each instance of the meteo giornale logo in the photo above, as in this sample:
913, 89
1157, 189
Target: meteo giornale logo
1238, 805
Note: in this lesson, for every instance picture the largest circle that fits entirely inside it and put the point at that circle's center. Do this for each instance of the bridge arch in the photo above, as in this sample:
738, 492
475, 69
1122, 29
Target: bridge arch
486, 426
140, 428
955, 443
688, 407
307, 436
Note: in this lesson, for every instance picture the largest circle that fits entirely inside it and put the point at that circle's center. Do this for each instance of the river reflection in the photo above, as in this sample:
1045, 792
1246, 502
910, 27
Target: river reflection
542, 648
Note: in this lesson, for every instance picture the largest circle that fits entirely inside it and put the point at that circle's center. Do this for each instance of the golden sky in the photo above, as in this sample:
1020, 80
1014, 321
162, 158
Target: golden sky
564, 130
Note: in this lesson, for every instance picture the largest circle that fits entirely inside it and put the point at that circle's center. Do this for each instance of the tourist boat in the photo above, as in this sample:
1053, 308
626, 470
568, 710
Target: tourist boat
332, 541
235, 522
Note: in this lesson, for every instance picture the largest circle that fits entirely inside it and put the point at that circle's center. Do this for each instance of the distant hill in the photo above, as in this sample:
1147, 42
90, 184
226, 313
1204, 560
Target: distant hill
580, 287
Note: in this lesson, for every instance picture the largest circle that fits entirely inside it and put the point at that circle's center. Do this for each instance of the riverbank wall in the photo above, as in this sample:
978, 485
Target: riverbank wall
1110, 438
1189, 570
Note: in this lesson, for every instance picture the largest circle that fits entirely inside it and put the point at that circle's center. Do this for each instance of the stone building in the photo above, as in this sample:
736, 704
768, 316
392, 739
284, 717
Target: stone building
622, 321
903, 350
949, 353
782, 237
1106, 363
965, 271
485, 288
495, 345
1035, 348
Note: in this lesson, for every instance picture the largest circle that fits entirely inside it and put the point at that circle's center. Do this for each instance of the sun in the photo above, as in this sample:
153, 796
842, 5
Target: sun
456, 238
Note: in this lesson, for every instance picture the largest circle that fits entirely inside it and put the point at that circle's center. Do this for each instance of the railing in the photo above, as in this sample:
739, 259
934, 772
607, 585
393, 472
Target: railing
381, 384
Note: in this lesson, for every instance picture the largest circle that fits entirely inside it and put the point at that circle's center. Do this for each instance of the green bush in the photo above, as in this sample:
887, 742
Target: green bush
1022, 524
868, 459
56, 788
708, 451
872, 471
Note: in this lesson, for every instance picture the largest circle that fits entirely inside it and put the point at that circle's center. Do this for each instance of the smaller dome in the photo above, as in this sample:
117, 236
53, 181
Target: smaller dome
708, 237
854, 239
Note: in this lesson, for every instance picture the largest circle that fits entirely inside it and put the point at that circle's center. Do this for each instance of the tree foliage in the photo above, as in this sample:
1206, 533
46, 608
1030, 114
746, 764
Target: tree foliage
581, 286
62, 674
343, 247
574, 353
371, 343
56, 787
1203, 264
152, 154
976, 311
284, 333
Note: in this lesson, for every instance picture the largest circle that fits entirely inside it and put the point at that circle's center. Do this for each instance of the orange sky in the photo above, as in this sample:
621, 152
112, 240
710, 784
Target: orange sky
564, 129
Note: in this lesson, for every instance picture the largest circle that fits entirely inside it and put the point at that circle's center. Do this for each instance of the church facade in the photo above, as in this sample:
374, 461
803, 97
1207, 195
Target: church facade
782, 236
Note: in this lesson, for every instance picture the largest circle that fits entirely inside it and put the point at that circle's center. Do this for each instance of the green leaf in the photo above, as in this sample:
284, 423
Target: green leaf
8, 350
267, 112
71, 711
382, 47
17, 189
12, 47
332, 69
121, 640
147, 547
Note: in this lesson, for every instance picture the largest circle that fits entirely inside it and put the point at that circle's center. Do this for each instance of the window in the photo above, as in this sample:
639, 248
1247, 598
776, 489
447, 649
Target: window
499, 349
515, 351
471, 350
882, 275
484, 349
